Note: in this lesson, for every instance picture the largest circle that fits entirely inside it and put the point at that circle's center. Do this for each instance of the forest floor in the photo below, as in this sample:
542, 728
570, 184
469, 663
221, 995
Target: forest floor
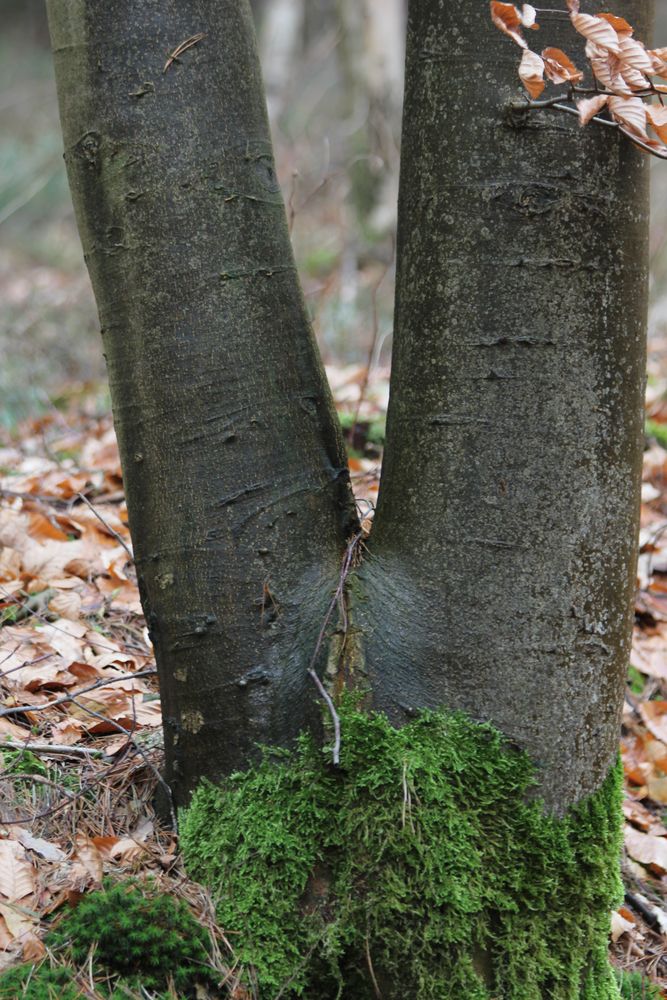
80, 726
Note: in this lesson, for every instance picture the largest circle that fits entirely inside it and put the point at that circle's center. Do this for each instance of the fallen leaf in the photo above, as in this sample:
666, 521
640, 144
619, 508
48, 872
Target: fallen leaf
45, 849
646, 848
17, 875
620, 925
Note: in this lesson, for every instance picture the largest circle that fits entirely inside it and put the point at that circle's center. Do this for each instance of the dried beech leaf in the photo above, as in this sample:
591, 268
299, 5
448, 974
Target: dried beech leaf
657, 116
607, 69
588, 107
529, 16
630, 112
506, 17
531, 71
18, 923
573, 6
647, 849
45, 849
559, 67
17, 876
634, 54
89, 857
620, 925
619, 24
598, 31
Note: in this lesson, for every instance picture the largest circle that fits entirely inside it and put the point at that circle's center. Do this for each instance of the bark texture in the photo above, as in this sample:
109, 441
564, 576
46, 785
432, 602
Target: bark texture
503, 554
234, 466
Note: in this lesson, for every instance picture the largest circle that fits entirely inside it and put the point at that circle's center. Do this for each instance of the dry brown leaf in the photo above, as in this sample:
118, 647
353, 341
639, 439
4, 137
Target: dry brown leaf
589, 107
506, 17
88, 855
607, 69
634, 54
630, 112
17, 875
654, 714
637, 814
619, 24
66, 604
18, 922
531, 72
598, 31
45, 849
6, 941
646, 848
657, 116
559, 67
620, 925
33, 948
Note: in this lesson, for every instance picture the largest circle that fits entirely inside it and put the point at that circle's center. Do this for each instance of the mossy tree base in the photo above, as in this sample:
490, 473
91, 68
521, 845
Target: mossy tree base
423, 866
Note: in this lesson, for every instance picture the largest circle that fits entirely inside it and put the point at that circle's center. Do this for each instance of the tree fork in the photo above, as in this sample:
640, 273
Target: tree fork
505, 536
233, 460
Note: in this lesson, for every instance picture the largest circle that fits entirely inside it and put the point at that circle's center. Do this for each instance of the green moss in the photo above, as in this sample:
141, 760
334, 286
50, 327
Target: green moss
634, 986
655, 430
41, 982
137, 933
422, 858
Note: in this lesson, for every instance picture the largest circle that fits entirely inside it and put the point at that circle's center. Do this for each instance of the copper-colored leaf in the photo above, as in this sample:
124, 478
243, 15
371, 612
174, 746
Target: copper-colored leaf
89, 857
506, 17
654, 715
531, 71
559, 67
657, 116
619, 24
598, 31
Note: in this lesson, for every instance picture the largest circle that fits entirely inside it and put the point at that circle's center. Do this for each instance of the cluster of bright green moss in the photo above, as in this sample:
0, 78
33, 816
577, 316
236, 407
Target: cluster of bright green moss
634, 986
422, 866
137, 937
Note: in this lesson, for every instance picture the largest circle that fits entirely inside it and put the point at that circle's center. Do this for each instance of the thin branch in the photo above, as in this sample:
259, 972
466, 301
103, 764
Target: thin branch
336, 601
47, 749
115, 534
66, 698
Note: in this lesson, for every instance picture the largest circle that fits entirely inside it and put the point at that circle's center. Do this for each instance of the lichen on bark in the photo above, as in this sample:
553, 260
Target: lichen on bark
424, 865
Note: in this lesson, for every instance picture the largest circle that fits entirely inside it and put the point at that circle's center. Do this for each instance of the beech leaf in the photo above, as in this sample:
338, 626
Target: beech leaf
588, 107
506, 17
529, 17
598, 31
619, 24
657, 116
634, 54
17, 876
630, 112
531, 71
559, 67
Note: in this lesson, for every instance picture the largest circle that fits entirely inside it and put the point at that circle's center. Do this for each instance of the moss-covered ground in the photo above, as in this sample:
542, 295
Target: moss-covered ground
423, 866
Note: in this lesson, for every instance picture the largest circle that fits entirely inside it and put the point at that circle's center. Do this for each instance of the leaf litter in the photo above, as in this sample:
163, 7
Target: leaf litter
80, 733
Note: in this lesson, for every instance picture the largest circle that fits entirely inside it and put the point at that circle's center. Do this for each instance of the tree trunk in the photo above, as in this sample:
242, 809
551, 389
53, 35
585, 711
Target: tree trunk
504, 545
234, 466
498, 577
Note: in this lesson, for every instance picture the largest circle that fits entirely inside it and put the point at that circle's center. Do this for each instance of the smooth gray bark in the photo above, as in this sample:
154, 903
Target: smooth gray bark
505, 536
234, 467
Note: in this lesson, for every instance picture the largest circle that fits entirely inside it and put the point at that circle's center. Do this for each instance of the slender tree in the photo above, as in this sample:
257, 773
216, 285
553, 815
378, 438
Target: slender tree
498, 577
